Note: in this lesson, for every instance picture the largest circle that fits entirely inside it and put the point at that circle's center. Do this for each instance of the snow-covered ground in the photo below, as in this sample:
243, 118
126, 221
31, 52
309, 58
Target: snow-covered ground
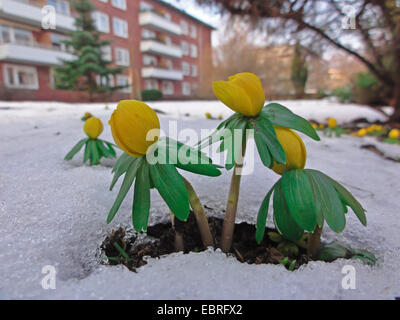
53, 212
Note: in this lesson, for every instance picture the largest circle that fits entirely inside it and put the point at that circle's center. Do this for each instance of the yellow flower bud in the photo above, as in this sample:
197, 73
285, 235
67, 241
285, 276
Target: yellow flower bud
130, 124
243, 93
93, 127
87, 115
295, 150
394, 134
362, 132
208, 115
332, 123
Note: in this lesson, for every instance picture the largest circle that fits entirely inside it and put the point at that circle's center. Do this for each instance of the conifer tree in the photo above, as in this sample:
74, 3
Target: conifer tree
299, 73
88, 71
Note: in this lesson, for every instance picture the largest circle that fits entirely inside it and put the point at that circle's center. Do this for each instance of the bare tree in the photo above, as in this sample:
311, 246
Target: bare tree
366, 29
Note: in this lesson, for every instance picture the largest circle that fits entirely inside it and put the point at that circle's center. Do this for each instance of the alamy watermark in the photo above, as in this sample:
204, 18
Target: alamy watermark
49, 280
49, 17
349, 280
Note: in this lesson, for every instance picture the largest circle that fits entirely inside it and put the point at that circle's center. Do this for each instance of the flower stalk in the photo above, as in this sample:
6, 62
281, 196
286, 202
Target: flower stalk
178, 240
314, 242
200, 215
231, 208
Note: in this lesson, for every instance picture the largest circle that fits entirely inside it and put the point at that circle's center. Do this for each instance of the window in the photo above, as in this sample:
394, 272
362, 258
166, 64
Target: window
61, 6
105, 1
144, 6
15, 35
186, 88
102, 21
120, 28
106, 53
5, 34
122, 57
120, 4
193, 51
167, 87
149, 60
184, 28
57, 42
102, 80
151, 84
185, 68
20, 77
185, 48
195, 88
194, 70
148, 34
193, 31
124, 81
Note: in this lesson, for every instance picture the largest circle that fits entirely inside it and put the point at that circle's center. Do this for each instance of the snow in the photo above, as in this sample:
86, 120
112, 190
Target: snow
53, 213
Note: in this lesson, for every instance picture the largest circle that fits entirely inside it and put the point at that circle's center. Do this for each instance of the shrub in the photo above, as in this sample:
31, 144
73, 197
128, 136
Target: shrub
151, 95
344, 94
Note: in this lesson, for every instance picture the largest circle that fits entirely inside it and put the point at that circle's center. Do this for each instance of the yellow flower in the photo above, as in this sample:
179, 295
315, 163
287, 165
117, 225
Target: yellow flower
332, 123
295, 150
93, 127
394, 134
243, 93
130, 123
362, 132
87, 115
321, 126
315, 126
208, 115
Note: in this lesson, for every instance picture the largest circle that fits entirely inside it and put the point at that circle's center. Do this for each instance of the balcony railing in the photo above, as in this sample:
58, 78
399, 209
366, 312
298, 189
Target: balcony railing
161, 73
27, 12
157, 47
37, 55
153, 20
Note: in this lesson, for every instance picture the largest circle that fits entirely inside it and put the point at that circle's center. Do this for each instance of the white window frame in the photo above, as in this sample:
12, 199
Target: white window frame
193, 31
194, 70
11, 34
185, 68
193, 51
97, 18
185, 48
167, 91
122, 24
111, 80
58, 7
184, 27
17, 68
122, 53
186, 89
151, 84
120, 4
106, 53
149, 60
125, 77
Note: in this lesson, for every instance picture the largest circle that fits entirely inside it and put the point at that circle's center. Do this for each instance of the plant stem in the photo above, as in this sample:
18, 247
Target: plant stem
314, 242
231, 207
178, 242
201, 218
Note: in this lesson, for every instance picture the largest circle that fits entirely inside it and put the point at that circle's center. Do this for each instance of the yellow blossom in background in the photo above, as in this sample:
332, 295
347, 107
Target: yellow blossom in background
332, 123
321, 126
362, 132
220, 116
208, 115
93, 127
295, 150
130, 124
394, 134
315, 126
243, 93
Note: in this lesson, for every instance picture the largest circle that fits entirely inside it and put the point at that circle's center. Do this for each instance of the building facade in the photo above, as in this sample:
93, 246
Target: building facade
157, 45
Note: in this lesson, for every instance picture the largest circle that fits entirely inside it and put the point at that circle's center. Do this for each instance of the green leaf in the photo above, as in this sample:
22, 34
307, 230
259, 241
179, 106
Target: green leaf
263, 151
266, 132
104, 150
203, 169
141, 199
122, 165
126, 184
75, 149
334, 250
110, 147
283, 117
172, 189
283, 220
299, 198
86, 155
327, 201
94, 153
350, 201
262, 216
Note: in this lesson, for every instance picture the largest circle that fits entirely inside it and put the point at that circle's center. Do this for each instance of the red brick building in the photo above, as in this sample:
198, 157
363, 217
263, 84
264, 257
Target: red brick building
158, 45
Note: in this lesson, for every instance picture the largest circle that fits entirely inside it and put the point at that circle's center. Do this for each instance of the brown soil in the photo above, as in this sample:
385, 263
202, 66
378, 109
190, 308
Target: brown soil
161, 242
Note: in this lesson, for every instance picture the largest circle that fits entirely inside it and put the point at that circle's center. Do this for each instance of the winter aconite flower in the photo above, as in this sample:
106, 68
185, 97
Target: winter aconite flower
131, 122
362, 132
243, 93
93, 127
294, 148
332, 123
394, 134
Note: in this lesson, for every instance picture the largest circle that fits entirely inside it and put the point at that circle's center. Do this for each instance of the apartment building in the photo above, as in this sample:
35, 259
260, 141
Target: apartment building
159, 47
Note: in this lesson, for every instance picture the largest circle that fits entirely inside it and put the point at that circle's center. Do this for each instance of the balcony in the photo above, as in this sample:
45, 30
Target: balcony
157, 47
156, 21
30, 54
29, 13
160, 73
